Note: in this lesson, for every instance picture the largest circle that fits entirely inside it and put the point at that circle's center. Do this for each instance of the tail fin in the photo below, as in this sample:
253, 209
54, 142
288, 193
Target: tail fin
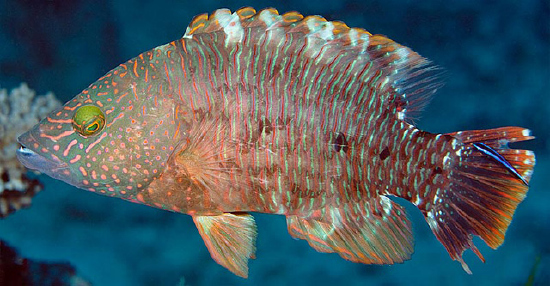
487, 182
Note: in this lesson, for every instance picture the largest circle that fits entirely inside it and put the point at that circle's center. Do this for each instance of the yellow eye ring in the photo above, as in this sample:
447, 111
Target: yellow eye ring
88, 120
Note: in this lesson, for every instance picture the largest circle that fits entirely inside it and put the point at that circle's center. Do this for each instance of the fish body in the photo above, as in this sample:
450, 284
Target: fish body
281, 114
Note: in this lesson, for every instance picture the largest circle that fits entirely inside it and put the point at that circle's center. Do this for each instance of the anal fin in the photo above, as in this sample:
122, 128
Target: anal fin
376, 232
230, 238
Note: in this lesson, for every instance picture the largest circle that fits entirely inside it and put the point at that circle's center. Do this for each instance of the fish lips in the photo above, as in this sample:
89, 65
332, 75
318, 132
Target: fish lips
31, 159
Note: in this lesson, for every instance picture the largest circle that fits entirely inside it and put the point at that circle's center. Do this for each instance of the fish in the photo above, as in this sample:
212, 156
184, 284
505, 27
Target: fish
254, 111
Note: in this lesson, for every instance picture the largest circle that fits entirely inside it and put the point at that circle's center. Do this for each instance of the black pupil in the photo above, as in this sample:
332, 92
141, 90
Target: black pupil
93, 127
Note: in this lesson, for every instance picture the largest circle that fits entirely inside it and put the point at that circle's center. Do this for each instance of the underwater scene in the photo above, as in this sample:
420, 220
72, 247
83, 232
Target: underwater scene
494, 71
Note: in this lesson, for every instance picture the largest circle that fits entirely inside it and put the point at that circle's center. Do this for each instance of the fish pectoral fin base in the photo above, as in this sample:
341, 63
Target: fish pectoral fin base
230, 238
377, 232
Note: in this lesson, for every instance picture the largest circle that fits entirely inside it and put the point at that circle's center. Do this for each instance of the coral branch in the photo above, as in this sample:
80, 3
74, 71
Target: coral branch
20, 109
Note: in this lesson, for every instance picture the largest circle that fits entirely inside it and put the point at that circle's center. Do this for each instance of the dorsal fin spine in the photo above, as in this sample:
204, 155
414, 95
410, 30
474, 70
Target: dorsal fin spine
410, 76
269, 17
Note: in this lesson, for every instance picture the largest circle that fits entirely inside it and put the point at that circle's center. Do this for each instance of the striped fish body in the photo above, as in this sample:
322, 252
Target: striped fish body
286, 115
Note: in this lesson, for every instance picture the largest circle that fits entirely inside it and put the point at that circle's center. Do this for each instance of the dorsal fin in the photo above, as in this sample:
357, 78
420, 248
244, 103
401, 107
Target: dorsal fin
411, 76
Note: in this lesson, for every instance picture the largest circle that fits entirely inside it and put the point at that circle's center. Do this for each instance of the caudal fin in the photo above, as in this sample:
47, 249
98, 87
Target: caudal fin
487, 182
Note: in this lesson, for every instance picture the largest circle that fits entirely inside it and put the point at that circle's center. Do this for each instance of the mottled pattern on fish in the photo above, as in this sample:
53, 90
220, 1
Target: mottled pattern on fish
286, 115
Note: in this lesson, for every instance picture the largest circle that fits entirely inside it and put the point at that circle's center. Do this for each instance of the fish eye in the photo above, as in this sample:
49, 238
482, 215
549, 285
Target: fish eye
88, 120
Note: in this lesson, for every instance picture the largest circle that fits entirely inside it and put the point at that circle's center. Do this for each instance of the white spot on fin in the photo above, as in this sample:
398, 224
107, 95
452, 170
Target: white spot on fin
352, 34
323, 30
187, 35
386, 205
231, 25
269, 18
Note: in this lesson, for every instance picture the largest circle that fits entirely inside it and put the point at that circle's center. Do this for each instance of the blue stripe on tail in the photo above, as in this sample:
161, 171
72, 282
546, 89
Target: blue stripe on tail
483, 148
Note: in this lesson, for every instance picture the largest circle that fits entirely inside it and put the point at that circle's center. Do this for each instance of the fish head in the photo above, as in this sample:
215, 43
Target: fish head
114, 138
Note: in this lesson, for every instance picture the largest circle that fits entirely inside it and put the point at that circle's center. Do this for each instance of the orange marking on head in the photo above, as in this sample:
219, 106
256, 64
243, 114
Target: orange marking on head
139, 197
103, 177
59, 120
75, 159
56, 138
72, 108
96, 142
134, 91
177, 131
105, 168
121, 96
108, 111
135, 69
83, 171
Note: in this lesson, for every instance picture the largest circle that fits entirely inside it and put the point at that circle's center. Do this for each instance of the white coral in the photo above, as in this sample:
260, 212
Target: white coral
20, 110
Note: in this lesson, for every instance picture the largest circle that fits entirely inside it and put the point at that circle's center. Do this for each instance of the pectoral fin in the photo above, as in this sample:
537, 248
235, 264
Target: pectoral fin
230, 238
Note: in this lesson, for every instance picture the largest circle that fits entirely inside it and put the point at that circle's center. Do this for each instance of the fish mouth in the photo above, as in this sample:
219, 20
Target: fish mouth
35, 161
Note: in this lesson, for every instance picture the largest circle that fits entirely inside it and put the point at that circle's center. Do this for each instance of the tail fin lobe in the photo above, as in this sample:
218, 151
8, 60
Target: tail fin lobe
483, 190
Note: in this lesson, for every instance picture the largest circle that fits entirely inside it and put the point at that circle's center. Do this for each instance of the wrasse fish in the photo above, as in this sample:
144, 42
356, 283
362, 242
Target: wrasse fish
260, 112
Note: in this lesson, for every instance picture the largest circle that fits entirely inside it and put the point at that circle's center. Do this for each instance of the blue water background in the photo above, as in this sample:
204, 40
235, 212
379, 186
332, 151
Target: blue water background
496, 55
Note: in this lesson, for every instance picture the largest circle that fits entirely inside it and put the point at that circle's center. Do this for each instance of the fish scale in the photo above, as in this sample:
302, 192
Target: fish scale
260, 112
